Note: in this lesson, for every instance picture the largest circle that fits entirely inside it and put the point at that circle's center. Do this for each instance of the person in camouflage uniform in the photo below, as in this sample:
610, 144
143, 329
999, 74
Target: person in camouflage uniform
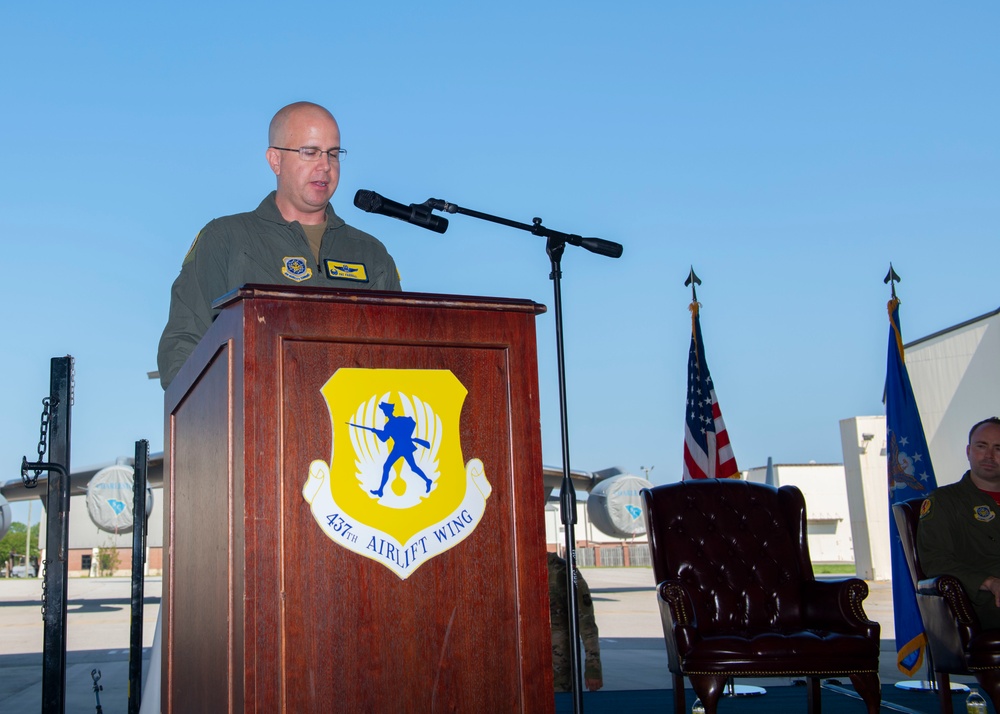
561, 667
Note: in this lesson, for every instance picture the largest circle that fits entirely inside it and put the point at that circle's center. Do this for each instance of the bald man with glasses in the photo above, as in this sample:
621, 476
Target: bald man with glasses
294, 237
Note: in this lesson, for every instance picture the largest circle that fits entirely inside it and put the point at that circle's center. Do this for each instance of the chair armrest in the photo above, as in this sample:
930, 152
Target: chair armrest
837, 605
674, 598
677, 617
948, 587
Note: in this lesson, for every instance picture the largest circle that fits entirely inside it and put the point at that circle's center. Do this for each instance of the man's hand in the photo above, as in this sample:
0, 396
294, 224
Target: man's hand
593, 683
992, 584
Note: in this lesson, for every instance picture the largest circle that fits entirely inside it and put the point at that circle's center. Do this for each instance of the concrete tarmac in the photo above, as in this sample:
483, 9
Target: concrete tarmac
632, 649
97, 637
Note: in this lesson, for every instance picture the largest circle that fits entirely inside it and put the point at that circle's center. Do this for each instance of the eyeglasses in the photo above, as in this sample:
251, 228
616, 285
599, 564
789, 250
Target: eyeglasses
312, 153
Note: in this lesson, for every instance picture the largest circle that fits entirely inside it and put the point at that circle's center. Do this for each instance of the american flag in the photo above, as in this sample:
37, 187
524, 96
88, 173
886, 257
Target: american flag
707, 451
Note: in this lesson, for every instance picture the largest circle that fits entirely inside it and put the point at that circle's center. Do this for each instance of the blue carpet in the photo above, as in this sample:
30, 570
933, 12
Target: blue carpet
835, 700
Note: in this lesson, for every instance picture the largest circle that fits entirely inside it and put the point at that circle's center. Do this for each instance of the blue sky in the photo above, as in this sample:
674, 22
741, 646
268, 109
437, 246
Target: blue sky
788, 151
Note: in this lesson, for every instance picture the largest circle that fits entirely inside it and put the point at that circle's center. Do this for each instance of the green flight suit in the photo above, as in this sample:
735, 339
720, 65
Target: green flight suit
959, 534
262, 247
561, 669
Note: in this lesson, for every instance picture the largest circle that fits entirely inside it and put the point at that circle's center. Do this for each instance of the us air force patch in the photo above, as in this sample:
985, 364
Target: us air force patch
346, 271
984, 514
296, 269
397, 489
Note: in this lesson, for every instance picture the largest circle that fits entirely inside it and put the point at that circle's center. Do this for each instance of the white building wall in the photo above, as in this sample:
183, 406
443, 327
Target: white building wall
827, 513
955, 382
865, 472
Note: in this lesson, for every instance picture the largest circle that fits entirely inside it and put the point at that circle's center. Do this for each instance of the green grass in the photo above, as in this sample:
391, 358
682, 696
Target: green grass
834, 568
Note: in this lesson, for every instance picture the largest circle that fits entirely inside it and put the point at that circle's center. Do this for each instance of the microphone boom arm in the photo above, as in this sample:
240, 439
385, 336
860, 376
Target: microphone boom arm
594, 245
554, 246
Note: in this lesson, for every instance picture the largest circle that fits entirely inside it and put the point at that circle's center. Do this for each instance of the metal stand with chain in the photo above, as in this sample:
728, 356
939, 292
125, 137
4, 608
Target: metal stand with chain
55, 430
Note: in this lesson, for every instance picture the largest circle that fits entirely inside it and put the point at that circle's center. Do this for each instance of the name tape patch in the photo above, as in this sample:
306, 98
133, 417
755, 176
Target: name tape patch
341, 270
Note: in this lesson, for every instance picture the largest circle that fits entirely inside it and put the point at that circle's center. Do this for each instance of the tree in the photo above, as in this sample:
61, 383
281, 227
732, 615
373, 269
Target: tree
13, 543
107, 559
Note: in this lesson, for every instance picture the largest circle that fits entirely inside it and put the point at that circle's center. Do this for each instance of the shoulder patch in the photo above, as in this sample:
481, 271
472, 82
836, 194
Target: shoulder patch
984, 514
295, 268
925, 508
342, 270
190, 254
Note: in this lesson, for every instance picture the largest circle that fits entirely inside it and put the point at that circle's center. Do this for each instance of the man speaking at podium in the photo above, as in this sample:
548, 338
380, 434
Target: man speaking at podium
294, 237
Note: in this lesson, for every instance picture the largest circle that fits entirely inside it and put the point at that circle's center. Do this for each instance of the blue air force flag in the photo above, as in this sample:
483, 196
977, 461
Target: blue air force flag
910, 475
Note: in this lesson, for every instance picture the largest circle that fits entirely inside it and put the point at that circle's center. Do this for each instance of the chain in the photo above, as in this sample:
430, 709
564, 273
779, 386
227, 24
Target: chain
45, 585
43, 429
43, 436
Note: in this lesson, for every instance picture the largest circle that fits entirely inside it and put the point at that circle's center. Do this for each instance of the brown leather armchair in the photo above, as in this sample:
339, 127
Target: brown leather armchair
738, 598
957, 643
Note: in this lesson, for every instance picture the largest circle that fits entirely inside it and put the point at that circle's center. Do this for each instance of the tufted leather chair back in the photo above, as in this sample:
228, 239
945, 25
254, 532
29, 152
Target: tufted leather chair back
738, 547
946, 635
907, 515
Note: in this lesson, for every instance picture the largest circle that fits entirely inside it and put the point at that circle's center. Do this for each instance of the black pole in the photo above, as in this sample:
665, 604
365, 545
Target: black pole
95, 674
567, 493
56, 564
139, 481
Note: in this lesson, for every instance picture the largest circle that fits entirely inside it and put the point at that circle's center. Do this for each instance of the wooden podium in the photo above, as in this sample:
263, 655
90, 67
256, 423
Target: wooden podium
264, 610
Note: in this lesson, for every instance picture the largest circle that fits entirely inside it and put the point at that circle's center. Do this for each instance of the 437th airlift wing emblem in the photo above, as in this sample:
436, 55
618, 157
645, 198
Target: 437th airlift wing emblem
397, 489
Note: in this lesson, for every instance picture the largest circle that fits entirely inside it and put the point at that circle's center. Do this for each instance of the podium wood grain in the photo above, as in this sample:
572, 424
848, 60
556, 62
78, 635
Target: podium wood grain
264, 612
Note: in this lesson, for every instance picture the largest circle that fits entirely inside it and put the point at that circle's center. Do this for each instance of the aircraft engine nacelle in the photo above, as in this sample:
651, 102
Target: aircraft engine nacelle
615, 506
109, 499
6, 516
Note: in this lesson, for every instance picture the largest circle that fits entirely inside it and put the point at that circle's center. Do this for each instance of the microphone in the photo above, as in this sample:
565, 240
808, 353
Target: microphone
417, 214
600, 246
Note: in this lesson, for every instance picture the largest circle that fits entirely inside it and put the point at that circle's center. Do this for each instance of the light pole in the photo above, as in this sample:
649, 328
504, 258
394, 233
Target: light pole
27, 545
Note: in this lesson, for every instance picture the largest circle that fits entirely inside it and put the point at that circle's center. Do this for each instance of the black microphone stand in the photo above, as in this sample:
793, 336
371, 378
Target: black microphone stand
554, 247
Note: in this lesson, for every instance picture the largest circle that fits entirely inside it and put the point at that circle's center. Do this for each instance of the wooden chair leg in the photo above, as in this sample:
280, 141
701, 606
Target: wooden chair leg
944, 692
680, 706
814, 704
709, 688
870, 689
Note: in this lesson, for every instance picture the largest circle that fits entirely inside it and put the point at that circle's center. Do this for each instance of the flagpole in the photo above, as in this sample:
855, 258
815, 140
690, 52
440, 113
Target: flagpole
708, 452
903, 421
701, 391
